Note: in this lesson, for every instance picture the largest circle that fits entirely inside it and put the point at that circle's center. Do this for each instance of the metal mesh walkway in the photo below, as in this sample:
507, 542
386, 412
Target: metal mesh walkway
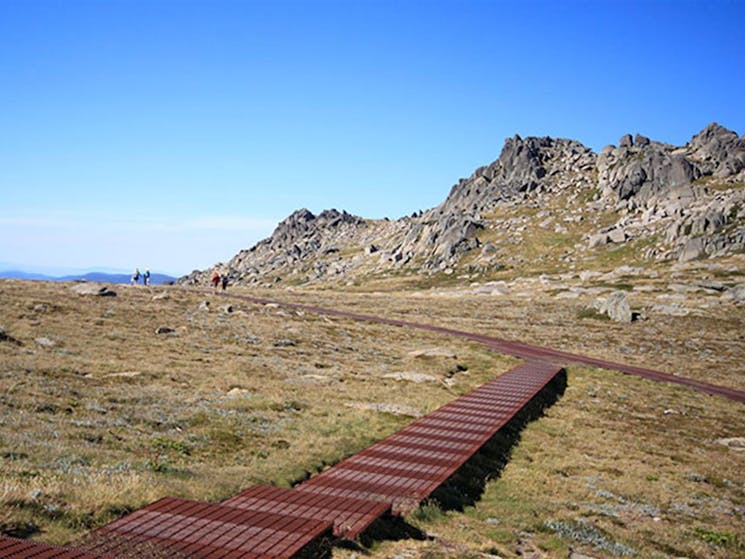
24, 549
392, 476
407, 467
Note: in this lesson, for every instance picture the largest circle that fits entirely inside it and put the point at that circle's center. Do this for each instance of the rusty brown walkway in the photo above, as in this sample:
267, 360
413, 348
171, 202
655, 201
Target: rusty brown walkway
508, 347
390, 477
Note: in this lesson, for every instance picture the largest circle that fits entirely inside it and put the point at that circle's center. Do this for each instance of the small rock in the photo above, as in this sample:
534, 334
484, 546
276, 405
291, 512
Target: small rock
617, 236
737, 293
237, 392
228, 309
204, 306
417, 378
577, 555
671, 310
736, 444
433, 352
94, 289
163, 296
284, 342
386, 407
586, 275
125, 374
45, 342
164, 330
598, 240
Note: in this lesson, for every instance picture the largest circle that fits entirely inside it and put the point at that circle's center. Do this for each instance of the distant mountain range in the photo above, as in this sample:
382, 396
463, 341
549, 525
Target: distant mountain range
101, 277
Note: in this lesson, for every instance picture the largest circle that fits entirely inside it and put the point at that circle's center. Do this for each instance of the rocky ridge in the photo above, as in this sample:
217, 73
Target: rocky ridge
545, 204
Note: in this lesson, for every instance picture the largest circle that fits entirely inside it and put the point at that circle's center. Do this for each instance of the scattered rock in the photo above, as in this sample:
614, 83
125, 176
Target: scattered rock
736, 444
578, 555
204, 306
587, 275
228, 309
164, 330
417, 378
737, 293
94, 289
693, 250
617, 236
671, 310
162, 296
284, 342
493, 288
237, 393
598, 240
45, 342
617, 307
433, 352
386, 407
125, 374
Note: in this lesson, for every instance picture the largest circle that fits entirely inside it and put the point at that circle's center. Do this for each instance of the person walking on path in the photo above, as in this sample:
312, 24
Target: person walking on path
224, 281
136, 276
146, 277
215, 279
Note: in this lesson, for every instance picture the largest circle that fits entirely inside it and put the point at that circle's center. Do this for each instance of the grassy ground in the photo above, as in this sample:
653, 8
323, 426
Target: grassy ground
100, 415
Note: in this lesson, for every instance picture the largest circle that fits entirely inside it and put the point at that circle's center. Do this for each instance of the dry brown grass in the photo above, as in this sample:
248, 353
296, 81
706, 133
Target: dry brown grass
113, 416
618, 463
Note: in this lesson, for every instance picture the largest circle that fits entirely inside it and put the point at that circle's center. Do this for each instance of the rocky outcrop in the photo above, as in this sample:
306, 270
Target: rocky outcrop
525, 165
673, 203
639, 169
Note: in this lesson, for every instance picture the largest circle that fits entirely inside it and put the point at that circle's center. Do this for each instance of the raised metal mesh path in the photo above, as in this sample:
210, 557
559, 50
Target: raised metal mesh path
392, 476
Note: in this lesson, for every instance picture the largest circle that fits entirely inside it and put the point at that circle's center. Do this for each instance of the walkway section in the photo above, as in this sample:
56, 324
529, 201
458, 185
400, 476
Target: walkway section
392, 476
178, 529
24, 549
407, 467
349, 516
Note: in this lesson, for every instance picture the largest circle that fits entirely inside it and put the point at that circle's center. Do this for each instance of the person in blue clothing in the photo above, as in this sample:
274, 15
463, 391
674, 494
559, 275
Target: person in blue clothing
146, 277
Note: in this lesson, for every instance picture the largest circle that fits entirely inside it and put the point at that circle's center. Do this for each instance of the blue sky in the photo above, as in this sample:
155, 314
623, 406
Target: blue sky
172, 134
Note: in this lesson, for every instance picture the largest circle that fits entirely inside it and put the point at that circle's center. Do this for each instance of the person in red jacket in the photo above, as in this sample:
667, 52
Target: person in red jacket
215, 279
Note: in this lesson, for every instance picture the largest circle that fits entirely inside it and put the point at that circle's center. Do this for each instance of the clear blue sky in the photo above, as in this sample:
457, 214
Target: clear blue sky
172, 134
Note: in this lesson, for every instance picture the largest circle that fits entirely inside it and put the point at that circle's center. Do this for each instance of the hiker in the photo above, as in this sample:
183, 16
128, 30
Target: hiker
146, 277
215, 279
136, 276
224, 281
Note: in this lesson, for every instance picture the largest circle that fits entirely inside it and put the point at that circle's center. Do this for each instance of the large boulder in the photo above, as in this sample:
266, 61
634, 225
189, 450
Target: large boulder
718, 151
642, 170
617, 307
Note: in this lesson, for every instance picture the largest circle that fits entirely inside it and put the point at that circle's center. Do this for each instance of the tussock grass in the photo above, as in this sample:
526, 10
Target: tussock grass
113, 416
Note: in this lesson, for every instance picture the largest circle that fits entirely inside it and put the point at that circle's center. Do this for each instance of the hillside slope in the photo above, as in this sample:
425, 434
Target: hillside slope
545, 205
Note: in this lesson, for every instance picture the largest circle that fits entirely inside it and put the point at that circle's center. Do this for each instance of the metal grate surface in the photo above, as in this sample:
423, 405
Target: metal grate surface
393, 475
349, 516
24, 549
177, 528
407, 467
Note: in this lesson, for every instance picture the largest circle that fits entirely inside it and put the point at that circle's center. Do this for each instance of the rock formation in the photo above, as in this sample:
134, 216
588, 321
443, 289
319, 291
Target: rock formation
555, 197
